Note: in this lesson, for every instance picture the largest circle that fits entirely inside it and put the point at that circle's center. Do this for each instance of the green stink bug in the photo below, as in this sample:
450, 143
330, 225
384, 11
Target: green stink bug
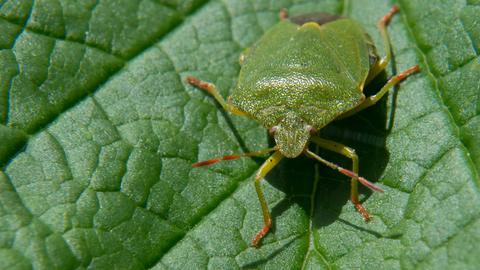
304, 73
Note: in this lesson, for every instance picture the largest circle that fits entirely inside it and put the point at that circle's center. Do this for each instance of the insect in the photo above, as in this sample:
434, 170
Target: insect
304, 73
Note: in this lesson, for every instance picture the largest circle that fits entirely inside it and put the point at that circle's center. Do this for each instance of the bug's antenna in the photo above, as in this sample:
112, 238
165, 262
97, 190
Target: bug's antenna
344, 171
234, 156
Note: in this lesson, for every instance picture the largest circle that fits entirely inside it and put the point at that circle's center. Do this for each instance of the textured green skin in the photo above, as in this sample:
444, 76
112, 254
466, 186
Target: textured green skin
298, 77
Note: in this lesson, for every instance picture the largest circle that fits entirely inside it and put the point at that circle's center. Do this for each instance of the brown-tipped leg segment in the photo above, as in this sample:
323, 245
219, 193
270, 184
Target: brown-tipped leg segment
212, 90
371, 100
380, 65
268, 165
382, 27
355, 178
387, 17
283, 14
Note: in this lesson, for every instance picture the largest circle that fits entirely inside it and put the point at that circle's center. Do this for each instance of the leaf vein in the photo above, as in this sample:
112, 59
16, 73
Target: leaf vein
438, 91
107, 78
239, 184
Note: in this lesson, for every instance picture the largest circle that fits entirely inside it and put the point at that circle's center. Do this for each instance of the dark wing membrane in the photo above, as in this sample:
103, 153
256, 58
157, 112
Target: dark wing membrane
372, 50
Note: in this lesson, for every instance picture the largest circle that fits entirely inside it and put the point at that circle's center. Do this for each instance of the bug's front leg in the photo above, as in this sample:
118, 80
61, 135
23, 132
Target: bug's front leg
271, 162
350, 153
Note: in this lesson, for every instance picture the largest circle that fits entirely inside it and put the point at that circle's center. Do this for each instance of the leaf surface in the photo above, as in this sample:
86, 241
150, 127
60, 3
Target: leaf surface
99, 131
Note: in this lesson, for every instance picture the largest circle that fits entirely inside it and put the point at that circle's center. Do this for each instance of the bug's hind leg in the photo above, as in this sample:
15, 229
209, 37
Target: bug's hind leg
283, 14
350, 153
212, 90
269, 164
382, 27
379, 66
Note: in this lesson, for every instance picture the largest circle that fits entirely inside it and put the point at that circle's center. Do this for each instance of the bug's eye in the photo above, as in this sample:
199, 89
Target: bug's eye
272, 130
312, 130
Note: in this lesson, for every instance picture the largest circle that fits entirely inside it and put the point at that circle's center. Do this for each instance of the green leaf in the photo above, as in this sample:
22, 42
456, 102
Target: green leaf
99, 131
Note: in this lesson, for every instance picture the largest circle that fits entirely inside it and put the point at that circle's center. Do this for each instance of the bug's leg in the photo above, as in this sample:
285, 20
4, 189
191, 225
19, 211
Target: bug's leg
371, 100
391, 83
212, 90
350, 153
283, 14
271, 162
382, 27
379, 66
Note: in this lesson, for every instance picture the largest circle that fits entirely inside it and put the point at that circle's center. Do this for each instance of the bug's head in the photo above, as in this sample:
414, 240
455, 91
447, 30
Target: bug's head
291, 135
